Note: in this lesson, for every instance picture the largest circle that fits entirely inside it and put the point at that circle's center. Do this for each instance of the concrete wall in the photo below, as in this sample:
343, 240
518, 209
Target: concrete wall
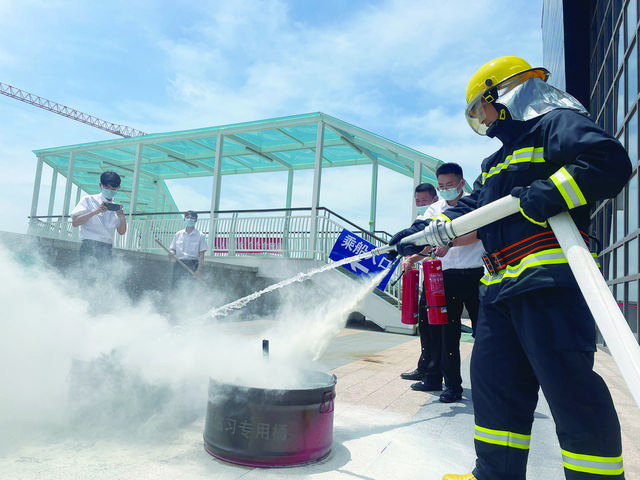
148, 272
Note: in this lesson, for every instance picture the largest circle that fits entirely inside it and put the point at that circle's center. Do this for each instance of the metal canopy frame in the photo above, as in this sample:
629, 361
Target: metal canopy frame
311, 141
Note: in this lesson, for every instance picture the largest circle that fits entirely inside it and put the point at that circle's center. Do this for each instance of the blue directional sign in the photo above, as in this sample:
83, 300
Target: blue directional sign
349, 245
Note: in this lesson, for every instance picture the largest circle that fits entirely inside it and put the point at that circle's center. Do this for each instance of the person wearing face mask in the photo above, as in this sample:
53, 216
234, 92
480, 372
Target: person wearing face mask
98, 218
462, 268
427, 373
424, 195
188, 246
535, 331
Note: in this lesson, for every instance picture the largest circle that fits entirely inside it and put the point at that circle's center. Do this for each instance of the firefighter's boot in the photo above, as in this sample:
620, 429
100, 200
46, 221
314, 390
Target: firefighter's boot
452, 476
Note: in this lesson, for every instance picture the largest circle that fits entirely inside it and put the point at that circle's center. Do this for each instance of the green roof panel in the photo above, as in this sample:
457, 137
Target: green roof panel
280, 144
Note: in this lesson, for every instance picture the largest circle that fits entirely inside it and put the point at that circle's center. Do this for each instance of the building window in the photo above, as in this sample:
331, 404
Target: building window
632, 77
632, 208
618, 98
632, 19
632, 138
620, 262
619, 227
632, 256
632, 307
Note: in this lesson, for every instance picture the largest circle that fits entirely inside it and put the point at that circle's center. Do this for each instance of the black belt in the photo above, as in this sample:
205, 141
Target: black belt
512, 254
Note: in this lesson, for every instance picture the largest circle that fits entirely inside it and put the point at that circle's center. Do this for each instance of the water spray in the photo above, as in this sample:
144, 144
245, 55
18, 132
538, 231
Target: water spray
237, 304
392, 268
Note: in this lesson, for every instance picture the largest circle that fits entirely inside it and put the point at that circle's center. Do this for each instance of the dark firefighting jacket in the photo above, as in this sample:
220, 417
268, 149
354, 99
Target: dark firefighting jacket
563, 162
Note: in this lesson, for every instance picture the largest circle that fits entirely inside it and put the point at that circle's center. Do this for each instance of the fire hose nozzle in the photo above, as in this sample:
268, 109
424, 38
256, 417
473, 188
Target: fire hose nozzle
437, 234
434, 234
380, 251
440, 232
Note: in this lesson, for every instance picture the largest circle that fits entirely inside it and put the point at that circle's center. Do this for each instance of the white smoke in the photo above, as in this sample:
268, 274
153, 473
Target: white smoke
79, 358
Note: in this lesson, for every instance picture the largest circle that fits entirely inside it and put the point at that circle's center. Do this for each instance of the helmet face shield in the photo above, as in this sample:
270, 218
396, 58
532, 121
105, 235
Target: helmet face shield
475, 115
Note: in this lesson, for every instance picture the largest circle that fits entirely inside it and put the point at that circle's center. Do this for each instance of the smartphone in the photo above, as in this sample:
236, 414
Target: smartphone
113, 206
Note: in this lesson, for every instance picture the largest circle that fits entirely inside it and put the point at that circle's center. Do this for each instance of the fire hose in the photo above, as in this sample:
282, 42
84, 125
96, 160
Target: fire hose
624, 347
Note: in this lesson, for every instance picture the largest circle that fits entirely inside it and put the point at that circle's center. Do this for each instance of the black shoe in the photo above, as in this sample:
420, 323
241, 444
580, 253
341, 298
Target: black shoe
450, 396
415, 375
425, 387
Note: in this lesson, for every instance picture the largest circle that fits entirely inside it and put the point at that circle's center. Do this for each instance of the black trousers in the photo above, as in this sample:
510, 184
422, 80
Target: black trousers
543, 338
94, 258
180, 273
440, 356
429, 363
461, 290
92, 249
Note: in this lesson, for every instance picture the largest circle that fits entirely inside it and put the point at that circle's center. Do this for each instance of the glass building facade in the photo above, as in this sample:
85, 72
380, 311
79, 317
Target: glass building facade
604, 77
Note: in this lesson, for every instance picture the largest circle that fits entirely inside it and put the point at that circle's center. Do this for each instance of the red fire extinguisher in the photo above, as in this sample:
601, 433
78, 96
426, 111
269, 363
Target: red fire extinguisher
410, 292
434, 291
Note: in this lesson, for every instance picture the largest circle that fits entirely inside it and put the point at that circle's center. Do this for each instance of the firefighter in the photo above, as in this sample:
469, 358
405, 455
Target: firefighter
534, 328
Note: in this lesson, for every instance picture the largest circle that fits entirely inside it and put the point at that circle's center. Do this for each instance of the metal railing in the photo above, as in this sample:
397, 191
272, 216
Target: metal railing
264, 233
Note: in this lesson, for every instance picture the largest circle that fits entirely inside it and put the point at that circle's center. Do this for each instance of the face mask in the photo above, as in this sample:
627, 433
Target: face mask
449, 193
189, 222
108, 193
422, 209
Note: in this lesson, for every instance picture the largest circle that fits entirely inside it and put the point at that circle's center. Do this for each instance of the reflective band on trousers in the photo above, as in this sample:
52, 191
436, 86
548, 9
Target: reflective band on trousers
568, 188
592, 464
501, 437
523, 155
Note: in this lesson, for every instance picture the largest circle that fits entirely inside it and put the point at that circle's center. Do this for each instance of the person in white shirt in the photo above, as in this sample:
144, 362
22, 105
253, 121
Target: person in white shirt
188, 246
462, 268
97, 218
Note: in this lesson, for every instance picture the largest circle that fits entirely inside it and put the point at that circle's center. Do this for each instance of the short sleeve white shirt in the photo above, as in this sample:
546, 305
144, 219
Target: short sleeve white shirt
100, 227
465, 256
188, 245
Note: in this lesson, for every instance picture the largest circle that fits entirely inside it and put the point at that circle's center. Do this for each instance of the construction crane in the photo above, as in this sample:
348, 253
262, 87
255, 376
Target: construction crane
68, 112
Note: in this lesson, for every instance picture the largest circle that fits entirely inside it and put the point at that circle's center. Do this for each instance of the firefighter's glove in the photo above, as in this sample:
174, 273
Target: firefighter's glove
530, 208
392, 255
406, 249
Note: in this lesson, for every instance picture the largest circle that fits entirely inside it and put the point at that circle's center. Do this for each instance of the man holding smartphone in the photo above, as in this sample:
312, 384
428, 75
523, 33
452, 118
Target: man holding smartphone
98, 218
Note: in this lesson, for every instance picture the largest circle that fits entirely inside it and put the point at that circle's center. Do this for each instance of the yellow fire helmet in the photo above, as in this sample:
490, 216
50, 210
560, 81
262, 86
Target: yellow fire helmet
493, 80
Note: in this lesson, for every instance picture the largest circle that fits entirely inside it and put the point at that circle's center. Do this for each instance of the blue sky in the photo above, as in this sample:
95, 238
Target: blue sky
397, 68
